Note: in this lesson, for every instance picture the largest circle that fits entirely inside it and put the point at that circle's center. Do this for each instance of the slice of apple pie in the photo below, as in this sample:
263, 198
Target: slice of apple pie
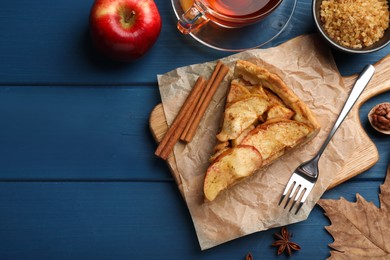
263, 119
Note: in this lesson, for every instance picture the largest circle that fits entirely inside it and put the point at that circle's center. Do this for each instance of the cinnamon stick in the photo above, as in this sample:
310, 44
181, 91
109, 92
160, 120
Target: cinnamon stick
201, 100
218, 75
166, 145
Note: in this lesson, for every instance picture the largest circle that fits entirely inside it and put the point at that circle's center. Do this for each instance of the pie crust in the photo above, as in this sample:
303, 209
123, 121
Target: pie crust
263, 119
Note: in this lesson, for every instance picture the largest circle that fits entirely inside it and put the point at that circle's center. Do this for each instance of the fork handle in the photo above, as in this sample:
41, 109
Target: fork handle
360, 84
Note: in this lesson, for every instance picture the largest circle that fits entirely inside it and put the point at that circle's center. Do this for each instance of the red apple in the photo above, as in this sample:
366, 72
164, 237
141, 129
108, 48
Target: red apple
124, 30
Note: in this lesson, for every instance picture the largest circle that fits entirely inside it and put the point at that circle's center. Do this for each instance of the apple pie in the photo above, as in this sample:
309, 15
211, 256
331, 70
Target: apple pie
263, 119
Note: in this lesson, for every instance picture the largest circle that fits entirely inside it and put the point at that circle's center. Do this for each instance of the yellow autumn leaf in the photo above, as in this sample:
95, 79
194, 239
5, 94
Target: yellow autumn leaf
360, 229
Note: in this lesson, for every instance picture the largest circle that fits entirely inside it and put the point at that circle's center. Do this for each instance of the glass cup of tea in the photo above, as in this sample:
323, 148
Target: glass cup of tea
225, 13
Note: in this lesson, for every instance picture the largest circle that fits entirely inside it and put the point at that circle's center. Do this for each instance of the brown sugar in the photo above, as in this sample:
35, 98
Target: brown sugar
355, 23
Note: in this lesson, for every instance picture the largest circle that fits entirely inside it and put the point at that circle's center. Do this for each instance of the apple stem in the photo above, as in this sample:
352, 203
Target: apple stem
129, 16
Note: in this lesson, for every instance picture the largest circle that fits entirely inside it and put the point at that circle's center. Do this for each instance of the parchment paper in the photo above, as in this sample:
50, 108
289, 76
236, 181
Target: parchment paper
308, 68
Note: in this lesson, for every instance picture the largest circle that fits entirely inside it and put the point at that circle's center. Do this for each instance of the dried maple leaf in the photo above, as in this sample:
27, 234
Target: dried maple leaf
360, 230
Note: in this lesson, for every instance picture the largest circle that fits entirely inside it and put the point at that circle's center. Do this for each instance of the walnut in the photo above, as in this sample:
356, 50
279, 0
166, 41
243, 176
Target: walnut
380, 117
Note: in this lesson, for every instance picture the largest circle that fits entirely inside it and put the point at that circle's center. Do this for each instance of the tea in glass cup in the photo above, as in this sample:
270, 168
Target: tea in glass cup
225, 13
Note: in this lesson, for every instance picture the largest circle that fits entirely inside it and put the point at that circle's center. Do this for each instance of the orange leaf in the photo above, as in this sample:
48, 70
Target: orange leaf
360, 230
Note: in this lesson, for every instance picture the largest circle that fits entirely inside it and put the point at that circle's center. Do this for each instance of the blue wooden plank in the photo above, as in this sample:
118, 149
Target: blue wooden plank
133, 221
78, 177
48, 43
78, 132
95, 133
352, 64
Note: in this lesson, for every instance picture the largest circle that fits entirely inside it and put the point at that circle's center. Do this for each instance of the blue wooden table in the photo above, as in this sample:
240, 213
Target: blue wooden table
78, 175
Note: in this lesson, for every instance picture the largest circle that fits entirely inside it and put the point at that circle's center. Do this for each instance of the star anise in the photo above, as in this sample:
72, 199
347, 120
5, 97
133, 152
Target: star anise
284, 243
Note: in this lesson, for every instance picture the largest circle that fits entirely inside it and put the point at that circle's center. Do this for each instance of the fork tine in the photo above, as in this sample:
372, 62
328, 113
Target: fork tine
304, 197
281, 199
309, 188
307, 192
295, 187
299, 207
301, 189
288, 186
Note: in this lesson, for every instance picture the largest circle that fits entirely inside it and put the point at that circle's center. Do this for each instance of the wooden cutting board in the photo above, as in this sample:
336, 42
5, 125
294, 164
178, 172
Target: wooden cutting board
364, 156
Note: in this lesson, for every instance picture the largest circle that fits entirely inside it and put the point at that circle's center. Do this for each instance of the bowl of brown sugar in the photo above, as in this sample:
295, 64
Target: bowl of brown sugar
353, 26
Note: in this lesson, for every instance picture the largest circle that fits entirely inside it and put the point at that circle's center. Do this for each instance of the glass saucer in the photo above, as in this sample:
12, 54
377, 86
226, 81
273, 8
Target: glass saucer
248, 37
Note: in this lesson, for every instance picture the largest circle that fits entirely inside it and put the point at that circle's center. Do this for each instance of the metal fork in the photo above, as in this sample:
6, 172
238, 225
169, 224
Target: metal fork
305, 176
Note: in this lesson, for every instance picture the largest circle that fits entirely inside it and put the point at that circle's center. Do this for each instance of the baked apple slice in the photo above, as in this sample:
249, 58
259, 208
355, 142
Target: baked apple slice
276, 136
229, 167
240, 115
240, 89
279, 111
